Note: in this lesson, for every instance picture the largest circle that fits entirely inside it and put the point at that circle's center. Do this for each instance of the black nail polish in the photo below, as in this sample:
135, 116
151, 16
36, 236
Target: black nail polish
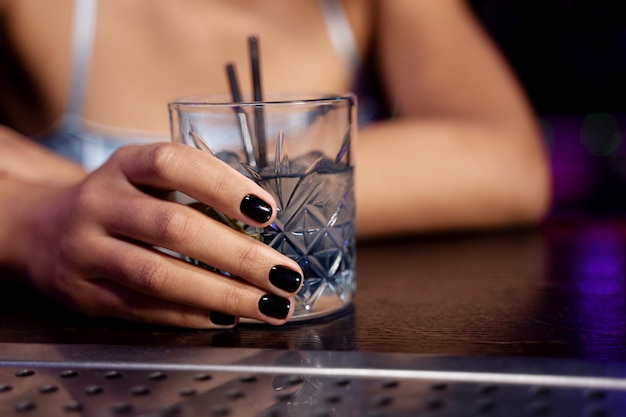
221, 319
274, 306
284, 278
255, 208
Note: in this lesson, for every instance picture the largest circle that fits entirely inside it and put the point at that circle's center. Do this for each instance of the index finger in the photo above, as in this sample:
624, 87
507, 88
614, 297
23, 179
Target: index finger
177, 167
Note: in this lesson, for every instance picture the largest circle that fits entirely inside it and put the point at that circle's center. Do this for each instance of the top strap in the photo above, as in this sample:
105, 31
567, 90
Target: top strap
340, 33
84, 28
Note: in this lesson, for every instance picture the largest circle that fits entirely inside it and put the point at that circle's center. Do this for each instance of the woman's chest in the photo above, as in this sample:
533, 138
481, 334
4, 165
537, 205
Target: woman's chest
146, 52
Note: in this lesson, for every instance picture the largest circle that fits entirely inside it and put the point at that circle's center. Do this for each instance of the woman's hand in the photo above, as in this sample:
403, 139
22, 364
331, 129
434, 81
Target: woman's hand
91, 246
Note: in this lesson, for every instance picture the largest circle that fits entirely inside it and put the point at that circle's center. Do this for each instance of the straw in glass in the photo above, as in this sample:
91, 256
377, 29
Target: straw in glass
244, 128
259, 116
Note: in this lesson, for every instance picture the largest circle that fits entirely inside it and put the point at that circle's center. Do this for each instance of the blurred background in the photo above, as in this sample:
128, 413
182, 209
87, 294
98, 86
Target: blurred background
570, 55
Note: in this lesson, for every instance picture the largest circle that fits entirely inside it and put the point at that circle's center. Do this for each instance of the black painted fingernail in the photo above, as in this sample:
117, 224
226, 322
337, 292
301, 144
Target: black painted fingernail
284, 278
221, 319
255, 208
274, 306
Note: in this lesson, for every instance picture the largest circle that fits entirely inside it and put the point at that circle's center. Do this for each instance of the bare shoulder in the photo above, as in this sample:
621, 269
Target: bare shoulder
435, 55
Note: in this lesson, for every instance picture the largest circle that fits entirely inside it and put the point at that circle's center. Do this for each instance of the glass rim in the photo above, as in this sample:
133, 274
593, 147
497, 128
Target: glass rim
270, 98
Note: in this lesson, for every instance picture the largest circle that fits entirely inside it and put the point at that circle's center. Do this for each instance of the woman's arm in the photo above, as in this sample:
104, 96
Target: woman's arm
25, 170
22, 159
464, 150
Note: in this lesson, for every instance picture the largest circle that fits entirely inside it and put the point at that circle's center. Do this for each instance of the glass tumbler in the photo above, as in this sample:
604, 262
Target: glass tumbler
298, 147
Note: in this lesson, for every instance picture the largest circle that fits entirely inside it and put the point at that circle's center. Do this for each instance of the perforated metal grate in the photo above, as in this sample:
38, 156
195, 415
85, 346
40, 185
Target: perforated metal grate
46, 380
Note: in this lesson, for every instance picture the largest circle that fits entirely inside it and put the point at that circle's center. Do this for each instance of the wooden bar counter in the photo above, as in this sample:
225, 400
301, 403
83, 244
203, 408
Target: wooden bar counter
554, 291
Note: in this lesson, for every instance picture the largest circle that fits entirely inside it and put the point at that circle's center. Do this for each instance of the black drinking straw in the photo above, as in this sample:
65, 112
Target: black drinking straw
233, 83
259, 117
244, 128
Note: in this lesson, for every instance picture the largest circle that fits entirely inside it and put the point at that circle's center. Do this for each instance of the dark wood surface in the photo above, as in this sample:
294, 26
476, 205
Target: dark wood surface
555, 291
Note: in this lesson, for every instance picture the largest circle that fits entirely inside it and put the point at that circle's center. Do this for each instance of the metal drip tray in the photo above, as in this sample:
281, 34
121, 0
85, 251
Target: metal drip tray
85, 380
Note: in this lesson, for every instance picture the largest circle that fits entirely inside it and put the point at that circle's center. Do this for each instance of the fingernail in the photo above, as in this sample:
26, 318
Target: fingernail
274, 306
255, 208
284, 278
221, 319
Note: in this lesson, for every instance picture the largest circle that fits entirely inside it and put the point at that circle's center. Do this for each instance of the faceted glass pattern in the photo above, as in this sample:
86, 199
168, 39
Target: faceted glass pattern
315, 227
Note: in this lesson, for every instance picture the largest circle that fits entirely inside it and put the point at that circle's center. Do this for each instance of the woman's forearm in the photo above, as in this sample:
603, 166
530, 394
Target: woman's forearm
16, 199
27, 173
445, 174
